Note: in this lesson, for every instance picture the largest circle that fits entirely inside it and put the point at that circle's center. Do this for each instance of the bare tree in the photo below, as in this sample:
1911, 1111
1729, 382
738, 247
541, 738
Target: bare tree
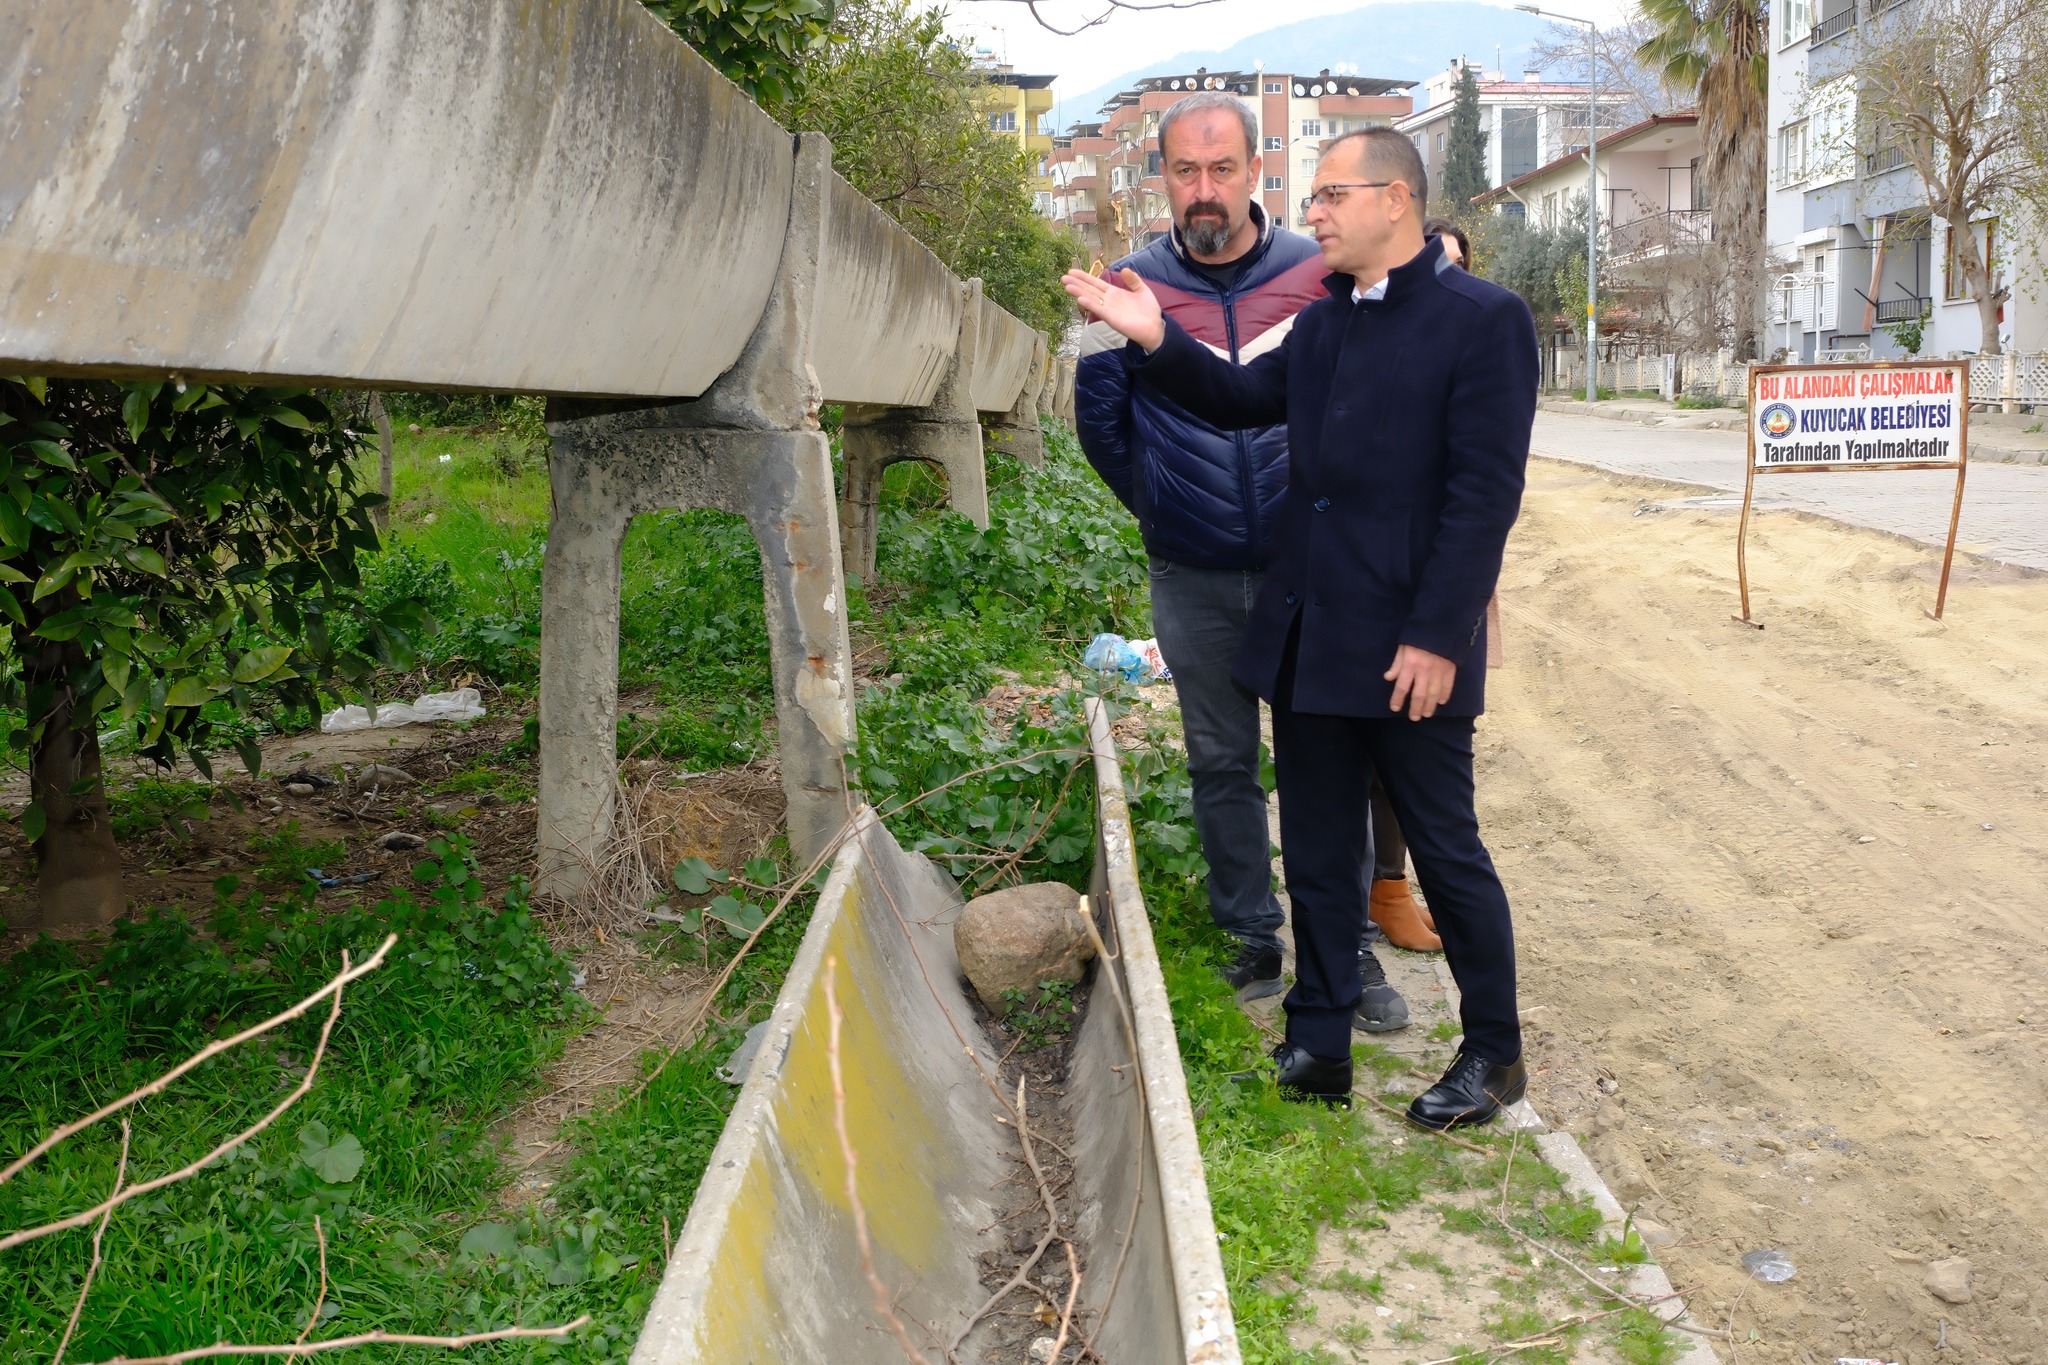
1960, 89
1093, 12
1643, 87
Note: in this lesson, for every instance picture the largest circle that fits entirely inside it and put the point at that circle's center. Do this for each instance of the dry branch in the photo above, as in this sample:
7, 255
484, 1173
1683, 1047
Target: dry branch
122, 1196
98, 1233
213, 1049
376, 1338
883, 1305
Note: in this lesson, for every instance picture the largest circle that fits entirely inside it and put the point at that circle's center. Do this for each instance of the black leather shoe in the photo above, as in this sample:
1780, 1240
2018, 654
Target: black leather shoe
1472, 1091
1381, 1008
1256, 973
1304, 1076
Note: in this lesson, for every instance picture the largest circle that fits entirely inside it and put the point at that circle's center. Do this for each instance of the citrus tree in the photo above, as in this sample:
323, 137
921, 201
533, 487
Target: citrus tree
171, 560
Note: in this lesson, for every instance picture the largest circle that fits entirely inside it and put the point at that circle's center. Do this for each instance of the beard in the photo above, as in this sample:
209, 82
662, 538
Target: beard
1206, 227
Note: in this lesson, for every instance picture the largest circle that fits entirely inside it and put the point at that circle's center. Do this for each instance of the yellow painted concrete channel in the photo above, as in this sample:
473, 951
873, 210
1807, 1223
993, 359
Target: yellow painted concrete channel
768, 1267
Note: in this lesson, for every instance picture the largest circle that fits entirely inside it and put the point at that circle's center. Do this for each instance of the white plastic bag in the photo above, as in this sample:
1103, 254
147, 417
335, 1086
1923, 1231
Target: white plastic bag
463, 703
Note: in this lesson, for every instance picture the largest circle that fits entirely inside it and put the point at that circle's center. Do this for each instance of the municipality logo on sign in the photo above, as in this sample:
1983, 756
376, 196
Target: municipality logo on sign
1777, 421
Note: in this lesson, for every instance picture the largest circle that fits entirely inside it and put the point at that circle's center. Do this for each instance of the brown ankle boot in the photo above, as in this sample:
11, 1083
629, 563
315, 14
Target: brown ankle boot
1394, 910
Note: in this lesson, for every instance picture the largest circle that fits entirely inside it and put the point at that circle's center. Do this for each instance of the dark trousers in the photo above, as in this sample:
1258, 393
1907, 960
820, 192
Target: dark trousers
1389, 849
1200, 616
1326, 766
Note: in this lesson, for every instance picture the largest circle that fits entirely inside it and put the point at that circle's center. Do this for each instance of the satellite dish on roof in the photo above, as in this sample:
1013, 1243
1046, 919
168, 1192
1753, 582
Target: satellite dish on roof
1316, 90
1300, 91
1350, 89
1173, 84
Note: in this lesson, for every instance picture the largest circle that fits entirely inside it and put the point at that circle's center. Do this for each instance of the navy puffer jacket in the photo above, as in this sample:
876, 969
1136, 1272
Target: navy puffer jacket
1203, 497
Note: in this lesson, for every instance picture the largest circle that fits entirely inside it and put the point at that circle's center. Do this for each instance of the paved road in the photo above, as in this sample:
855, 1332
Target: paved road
2005, 507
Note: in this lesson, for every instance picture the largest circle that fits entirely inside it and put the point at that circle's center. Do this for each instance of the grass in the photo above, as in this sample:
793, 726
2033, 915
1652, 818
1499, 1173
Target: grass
1694, 401
459, 1026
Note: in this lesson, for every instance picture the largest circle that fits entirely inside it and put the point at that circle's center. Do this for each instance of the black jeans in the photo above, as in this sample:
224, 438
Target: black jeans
1200, 616
1326, 768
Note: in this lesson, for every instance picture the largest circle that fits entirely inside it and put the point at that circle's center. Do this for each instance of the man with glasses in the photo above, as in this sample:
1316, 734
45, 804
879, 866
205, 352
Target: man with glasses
1207, 501
1410, 391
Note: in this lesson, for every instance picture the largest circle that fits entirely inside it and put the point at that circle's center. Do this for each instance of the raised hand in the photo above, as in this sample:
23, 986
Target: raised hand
1121, 300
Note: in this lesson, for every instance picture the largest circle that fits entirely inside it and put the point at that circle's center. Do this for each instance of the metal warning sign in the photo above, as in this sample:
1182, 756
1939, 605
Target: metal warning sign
1886, 415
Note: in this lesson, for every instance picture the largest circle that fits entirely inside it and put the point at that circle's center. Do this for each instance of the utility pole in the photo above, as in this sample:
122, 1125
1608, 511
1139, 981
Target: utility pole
1592, 332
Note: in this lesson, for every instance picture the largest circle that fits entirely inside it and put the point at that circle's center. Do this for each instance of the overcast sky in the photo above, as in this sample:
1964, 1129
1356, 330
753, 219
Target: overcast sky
1130, 40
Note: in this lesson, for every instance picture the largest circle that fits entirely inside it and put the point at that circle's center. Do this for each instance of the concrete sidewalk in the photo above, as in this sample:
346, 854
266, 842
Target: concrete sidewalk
2005, 506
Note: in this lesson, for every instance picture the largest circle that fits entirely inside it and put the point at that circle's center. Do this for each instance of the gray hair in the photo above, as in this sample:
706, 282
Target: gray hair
1201, 102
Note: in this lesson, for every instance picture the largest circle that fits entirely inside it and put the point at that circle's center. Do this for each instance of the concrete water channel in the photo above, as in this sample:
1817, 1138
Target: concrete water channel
770, 1267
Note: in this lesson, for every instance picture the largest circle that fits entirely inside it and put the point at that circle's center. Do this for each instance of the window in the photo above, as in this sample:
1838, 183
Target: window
1515, 209
1439, 141
1517, 142
1276, 88
1550, 209
1985, 234
1795, 17
1276, 144
1273, 182
1311, 127
1044, 202
1005, 122
1308, 168
1792, 153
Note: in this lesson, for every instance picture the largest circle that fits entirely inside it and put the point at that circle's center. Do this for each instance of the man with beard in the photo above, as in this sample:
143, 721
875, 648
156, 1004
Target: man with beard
1208, 501
1411, 392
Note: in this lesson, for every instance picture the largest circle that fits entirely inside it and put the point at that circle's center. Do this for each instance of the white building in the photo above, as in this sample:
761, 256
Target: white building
1853, 245
1527, 123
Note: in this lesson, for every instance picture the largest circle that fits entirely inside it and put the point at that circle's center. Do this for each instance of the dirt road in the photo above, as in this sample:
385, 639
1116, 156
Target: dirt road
1786, 889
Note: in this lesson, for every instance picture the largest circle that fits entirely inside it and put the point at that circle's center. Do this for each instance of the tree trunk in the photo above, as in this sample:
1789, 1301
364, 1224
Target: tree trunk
383, 421
78, 880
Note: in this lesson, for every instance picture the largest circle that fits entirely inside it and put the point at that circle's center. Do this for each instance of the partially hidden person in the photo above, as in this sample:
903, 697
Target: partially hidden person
1207, 500
1409, 391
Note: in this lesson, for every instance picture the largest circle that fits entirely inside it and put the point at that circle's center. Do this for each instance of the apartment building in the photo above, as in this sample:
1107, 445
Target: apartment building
1078, 168
1110, 172
1528, 122
1854, 247
1021, 106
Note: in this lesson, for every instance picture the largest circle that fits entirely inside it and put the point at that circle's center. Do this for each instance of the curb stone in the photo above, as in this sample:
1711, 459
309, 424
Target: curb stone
1582, 1177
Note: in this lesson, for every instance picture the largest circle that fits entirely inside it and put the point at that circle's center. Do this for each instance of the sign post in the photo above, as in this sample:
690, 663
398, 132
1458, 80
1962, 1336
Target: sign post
1811, 419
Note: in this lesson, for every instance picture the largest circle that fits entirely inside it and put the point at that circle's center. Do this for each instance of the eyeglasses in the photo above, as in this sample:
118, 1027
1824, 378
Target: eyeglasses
1324, 193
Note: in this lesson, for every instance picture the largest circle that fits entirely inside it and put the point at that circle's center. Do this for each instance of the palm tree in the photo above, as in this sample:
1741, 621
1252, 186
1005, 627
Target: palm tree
1717, 52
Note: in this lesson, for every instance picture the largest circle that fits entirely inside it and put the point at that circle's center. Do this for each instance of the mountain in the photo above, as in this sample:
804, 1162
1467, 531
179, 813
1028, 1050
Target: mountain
1398, 41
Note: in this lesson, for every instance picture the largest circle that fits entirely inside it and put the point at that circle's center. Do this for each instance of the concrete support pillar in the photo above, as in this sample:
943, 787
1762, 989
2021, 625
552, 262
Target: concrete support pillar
946, 432
750, 446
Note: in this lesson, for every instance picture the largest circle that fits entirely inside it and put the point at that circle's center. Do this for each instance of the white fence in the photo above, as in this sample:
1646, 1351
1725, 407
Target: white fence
2011, 381
1667, 375
2015, 381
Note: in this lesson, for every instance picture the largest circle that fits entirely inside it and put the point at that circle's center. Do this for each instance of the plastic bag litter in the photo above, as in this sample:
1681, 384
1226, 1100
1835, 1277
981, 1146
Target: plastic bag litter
462, 704
1139, 661
1770, 1266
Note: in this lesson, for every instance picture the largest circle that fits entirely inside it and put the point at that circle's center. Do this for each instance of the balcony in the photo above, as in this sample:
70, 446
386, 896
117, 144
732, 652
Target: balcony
1884, 159
1834, 26
1657, 234
1902, 310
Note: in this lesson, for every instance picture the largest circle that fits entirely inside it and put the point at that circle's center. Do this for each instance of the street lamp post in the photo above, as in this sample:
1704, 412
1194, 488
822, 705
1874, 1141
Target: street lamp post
1592, 333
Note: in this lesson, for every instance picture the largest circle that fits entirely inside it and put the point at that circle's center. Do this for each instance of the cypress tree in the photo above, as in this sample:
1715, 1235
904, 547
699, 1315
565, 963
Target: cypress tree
1465, 157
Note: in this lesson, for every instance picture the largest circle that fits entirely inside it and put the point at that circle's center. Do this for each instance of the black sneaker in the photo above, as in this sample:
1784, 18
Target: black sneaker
1381, 1008
1256, 973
